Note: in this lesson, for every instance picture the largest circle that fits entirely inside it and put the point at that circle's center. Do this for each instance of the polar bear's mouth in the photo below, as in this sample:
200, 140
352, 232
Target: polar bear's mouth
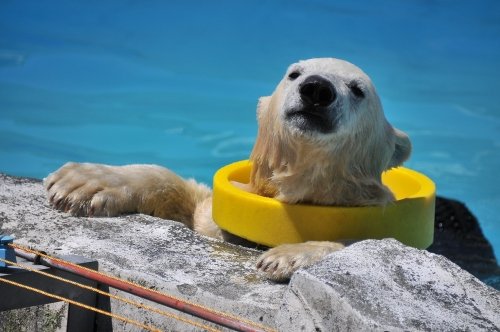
308, 119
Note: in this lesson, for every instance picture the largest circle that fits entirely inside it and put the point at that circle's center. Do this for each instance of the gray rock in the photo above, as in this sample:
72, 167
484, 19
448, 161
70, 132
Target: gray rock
386, 286
156, 253
372, 285
458, 237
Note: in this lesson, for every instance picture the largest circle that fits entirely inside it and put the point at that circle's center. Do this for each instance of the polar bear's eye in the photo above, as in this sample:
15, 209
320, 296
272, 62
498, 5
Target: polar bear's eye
293, 75
356, 89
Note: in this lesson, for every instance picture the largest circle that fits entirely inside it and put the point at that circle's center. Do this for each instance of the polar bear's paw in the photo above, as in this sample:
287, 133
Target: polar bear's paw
281, 262
88, 190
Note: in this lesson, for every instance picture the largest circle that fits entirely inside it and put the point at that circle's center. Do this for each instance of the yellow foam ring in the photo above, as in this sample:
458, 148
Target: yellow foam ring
264, 220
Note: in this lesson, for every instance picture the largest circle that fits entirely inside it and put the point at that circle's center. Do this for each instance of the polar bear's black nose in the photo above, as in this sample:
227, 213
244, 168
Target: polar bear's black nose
317, 91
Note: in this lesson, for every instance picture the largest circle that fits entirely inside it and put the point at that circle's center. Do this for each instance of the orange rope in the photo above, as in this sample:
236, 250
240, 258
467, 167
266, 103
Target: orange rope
116, 297
249, 322
60, 298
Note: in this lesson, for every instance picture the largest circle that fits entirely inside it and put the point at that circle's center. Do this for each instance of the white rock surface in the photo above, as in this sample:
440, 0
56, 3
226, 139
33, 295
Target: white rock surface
158, 253
372, 285
386, 286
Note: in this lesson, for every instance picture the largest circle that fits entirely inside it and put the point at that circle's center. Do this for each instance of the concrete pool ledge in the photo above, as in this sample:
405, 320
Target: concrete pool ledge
372, 285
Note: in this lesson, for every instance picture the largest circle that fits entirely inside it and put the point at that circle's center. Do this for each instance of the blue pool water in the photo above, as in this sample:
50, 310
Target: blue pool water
176, 84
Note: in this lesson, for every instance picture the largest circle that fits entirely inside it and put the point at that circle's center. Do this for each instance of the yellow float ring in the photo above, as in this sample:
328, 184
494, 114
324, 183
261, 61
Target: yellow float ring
267, 221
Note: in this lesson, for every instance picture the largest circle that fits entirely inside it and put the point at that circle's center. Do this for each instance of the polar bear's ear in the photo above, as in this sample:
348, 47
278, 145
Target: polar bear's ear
402, 149
263, 106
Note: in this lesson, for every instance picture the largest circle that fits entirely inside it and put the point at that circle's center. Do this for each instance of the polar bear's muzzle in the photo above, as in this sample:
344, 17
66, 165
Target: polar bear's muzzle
314, 111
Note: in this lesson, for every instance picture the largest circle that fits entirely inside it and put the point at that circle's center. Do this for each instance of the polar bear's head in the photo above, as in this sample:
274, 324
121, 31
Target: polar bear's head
323, 137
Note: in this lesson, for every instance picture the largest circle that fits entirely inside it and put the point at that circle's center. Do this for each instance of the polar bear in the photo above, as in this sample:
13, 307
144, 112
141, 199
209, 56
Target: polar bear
322, 139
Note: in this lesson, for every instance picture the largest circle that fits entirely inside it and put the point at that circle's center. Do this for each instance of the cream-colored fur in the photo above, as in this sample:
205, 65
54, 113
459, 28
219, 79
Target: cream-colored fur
323, 139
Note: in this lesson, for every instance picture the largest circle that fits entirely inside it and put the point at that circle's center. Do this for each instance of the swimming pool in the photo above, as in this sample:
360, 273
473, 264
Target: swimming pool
176, 84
